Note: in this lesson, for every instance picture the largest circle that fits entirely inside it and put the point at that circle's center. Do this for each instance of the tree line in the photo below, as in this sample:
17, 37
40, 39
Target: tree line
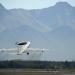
38, 64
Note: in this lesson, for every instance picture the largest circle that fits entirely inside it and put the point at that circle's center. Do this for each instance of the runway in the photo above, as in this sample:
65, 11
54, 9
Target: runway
32, 72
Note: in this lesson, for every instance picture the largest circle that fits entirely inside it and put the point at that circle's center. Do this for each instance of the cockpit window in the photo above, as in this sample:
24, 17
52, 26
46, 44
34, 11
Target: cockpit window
22, 43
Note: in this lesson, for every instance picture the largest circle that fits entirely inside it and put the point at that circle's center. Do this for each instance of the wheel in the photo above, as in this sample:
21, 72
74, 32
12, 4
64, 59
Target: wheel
27, 53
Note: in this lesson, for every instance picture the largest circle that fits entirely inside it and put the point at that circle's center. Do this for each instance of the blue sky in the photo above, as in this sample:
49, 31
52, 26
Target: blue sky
32, 4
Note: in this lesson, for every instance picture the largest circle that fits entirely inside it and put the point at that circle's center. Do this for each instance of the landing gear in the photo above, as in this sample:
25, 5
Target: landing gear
27, 53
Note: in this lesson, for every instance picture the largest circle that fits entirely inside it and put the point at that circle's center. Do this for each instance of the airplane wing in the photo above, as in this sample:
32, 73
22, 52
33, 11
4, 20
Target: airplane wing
36, 49
8, 50
28, 50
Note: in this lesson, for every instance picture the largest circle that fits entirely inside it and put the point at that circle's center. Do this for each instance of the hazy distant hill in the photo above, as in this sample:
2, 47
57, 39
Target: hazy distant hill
52, 27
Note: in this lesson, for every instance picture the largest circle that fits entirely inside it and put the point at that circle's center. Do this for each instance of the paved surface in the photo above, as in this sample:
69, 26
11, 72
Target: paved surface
31, 72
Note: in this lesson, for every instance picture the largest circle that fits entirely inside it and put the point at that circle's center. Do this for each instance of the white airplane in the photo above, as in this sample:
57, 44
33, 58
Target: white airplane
22, 47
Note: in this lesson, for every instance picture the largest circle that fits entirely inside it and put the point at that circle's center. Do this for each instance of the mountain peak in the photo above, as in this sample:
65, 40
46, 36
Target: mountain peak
60, 4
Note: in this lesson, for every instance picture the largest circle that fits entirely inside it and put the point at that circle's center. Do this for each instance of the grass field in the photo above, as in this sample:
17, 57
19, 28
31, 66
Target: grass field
31, 72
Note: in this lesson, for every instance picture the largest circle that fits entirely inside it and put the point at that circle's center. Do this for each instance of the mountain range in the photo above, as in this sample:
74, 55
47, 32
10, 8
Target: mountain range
52, 28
